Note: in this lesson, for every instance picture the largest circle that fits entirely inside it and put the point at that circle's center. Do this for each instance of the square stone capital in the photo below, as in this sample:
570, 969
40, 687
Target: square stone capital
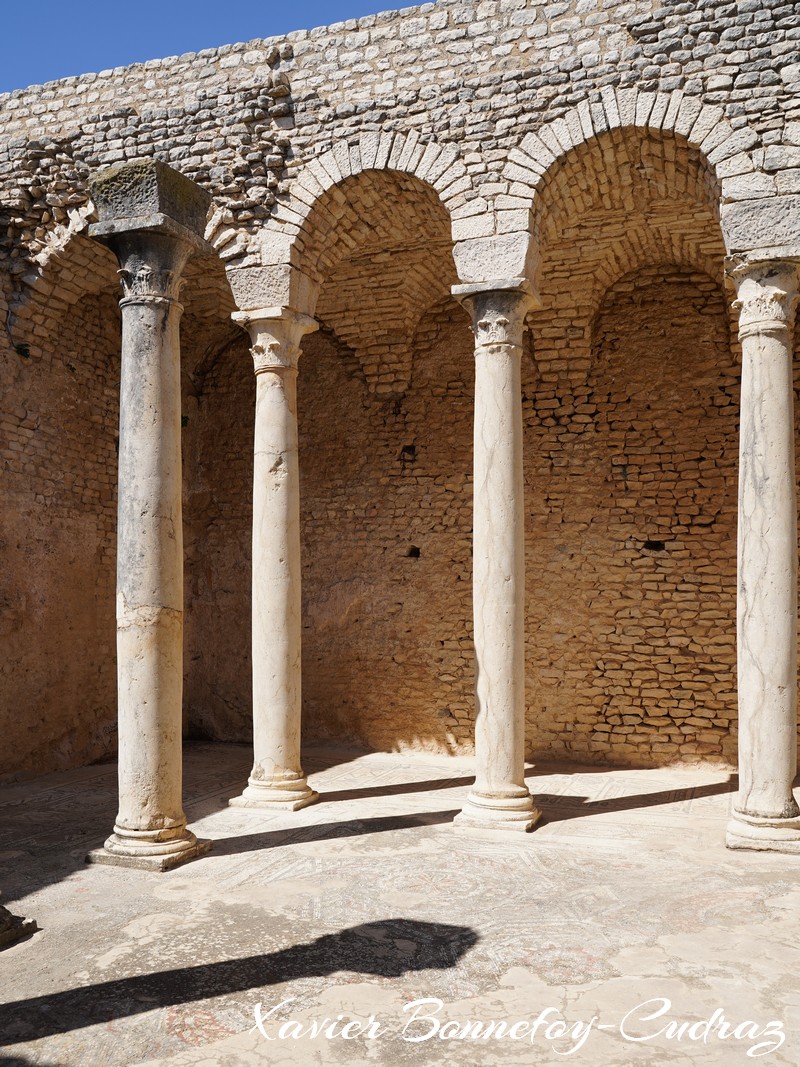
768, 226
148, 195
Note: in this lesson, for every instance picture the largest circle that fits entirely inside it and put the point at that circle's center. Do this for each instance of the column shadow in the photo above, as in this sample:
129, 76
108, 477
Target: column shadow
388, 948
234, 846
558, 807
399, 789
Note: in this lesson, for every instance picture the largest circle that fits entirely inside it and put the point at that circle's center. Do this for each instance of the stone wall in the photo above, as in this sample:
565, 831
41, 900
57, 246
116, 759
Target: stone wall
631, 535
59, 433
630, 140
632, 531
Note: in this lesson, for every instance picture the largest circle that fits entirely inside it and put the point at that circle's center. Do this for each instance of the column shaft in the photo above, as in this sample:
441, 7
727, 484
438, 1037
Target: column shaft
765, 813
150, 829
151, 217
500, 797
277, 778
150, 571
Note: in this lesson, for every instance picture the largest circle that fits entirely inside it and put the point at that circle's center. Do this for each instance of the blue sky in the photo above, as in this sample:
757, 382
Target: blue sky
46, 39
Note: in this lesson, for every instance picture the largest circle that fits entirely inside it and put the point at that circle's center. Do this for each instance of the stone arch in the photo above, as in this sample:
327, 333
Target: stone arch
278, 247
624, 210
376, 216
727, 153
436, 165
621, 187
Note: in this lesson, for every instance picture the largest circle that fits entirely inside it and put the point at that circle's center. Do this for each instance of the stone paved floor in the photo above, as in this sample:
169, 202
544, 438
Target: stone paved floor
371, 900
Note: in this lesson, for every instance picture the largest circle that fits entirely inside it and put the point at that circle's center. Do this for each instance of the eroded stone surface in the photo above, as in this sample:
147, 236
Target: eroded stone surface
148, 188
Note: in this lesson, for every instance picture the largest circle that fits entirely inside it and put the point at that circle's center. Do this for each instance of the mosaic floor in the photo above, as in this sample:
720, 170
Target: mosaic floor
622, 904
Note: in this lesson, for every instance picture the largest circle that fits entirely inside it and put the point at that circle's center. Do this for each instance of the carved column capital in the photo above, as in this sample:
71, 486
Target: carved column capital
767, 294
498, 310
152, 218
276, 333
151, 265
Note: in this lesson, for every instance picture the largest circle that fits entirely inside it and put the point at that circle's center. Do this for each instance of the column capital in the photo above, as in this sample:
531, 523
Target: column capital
767, 293
498, 309
276, 333
152, 218
151, 266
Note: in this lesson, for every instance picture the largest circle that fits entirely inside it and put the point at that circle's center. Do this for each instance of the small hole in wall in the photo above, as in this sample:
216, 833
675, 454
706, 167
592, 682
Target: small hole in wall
413, 552
654, 546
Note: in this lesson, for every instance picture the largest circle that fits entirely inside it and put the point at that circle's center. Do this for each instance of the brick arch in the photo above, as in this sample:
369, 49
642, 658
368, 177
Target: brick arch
436, 165
279, 245
726, 152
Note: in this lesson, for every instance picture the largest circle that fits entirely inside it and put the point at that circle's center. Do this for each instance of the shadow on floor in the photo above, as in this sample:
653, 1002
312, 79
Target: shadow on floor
555, 808
427, 786
561, 807
327, 831
388, 948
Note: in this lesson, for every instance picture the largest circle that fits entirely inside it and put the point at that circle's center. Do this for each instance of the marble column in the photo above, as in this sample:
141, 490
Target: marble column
499, 799
277, 780
151, 217
765, 813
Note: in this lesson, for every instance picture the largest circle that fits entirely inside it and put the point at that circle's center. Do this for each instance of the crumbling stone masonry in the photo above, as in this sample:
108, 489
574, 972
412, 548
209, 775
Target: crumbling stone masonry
519, 280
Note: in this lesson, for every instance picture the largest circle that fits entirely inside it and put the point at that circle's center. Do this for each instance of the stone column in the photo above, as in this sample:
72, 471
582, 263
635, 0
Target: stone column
151, 217
765, 813
277, 780
499, 799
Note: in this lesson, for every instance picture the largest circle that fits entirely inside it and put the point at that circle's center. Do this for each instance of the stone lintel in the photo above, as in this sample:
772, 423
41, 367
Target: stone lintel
145, 188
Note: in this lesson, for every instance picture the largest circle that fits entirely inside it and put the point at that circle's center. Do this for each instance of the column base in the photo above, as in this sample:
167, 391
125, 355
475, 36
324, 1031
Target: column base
762, 833
14, 928
147, 853
276, 795
499, 811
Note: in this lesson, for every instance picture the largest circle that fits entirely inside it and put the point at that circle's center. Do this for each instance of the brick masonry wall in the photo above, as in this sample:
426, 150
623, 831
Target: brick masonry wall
636, 664
630, 537
57, 587
632, 531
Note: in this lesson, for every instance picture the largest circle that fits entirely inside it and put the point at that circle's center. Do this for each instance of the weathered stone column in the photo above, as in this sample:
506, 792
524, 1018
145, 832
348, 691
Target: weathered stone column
499, 797
277, 779
151, 217
765, 813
